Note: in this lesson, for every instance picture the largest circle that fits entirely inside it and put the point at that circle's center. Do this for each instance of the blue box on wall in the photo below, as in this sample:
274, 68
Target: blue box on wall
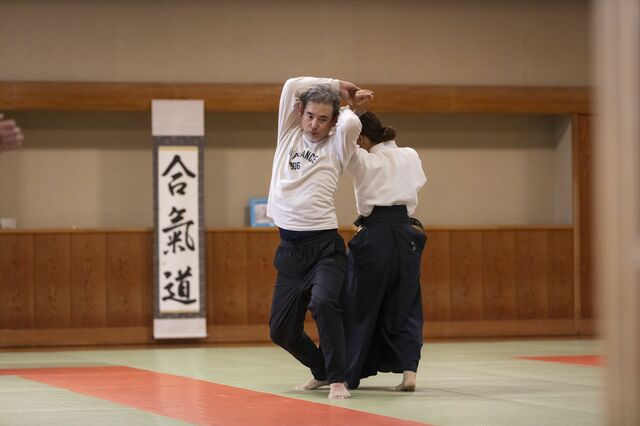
258, 212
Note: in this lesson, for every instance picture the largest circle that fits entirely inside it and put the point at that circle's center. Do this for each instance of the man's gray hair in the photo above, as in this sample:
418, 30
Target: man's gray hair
321, 94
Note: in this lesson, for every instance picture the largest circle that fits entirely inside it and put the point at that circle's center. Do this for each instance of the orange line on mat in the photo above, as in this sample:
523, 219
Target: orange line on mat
197, 401
591, 360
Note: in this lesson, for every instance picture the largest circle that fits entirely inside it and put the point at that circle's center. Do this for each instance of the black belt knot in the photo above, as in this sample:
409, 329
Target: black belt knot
387, 214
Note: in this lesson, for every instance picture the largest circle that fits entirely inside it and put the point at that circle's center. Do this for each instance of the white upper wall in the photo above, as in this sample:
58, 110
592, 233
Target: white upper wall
461, 42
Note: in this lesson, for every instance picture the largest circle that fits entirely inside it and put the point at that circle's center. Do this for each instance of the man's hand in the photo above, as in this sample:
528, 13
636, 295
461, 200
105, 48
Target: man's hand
361, 98
10, 134
354, 96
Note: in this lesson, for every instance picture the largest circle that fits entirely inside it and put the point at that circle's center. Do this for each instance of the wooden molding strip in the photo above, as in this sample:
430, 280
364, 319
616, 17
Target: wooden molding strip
237, 97
259, 230
259, 333
68, 96
590, 327
479, 99
133, 335
501, 328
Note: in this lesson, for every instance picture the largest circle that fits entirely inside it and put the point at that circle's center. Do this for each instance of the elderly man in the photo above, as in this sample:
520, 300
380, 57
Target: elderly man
316, 139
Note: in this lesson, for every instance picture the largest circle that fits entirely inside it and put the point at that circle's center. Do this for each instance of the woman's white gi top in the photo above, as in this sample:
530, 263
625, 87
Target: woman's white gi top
386, 176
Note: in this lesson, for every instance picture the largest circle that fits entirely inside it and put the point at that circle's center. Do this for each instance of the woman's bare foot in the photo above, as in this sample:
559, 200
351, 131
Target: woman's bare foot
312, 384
408, 382
338, 391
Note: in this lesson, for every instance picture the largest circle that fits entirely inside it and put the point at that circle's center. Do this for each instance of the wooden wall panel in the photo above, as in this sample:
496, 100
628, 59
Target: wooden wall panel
89, 280
435, 277
52, 283
475, 282
499, 274
532, 274
17, 307
227, 273
583, 209
466, 275
146, 258
261, 248
129, 279
560, 268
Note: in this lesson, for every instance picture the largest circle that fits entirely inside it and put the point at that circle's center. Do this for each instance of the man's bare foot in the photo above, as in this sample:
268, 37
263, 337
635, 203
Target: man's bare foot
312, 384
338, 391
408, 382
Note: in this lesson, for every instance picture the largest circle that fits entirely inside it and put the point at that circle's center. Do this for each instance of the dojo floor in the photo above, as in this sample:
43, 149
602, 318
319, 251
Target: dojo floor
459, 383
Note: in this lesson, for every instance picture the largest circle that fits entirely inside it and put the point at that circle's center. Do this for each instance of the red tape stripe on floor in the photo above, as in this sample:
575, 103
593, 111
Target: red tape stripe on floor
591, 360
197, 401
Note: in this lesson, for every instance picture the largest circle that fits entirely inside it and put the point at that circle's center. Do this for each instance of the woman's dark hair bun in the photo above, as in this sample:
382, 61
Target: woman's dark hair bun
388, 133
373, 129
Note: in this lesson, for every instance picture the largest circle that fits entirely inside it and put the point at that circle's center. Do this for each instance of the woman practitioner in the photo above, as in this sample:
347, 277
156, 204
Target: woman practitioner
381, 302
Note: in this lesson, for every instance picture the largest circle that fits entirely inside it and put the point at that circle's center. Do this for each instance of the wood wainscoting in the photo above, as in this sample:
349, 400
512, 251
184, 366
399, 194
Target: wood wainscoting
95, 287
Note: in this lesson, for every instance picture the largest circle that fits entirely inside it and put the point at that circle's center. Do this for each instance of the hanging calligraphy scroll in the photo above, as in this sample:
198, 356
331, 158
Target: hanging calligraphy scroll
178, 137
